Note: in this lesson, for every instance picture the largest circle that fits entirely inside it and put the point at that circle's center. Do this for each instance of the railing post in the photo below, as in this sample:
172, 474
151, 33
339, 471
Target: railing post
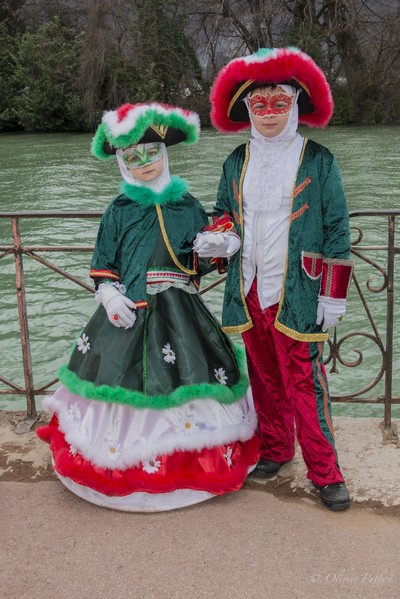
389, 324
23, 321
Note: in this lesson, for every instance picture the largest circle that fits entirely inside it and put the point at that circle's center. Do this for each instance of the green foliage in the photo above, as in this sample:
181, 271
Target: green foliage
9, 86
344, 109
163, 51
10, 16
46, 63
55, 76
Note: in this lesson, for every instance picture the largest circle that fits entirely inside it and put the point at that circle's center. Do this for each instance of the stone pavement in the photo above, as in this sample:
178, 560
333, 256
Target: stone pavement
271, 540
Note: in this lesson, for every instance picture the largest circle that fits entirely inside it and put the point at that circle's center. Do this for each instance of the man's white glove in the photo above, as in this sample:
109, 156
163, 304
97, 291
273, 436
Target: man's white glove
216, 245
118, 307
330, 312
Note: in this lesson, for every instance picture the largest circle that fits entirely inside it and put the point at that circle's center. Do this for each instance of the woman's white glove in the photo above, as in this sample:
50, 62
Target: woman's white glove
118, 307
216, 245
330, 312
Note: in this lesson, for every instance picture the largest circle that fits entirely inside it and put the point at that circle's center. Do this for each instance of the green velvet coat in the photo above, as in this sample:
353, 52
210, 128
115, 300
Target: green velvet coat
176, 351
319, 227
130, 227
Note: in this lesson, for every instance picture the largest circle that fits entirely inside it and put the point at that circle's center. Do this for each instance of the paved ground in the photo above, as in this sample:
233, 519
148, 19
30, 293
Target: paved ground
271, 540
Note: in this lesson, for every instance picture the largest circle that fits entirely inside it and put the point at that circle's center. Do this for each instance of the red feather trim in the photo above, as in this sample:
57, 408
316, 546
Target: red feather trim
286, 64
205, 470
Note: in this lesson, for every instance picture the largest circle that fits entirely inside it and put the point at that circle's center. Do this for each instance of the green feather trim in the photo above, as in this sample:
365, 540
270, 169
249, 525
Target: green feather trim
178, 397
98, 140
144, 121
172, 192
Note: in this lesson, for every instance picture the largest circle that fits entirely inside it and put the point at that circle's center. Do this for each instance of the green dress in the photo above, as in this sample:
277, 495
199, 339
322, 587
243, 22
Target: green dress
159, 415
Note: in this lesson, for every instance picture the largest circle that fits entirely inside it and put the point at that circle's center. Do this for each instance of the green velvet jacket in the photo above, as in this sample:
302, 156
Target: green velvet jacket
319, 230
129, 232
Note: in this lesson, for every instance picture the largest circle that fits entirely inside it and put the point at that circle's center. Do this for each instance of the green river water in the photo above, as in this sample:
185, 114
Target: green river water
57, 172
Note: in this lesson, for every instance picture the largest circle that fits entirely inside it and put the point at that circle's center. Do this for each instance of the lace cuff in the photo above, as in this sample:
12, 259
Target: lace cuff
121, 288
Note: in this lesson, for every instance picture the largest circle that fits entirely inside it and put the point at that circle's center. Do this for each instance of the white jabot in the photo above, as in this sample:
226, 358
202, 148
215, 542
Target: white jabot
267, 192
157, 184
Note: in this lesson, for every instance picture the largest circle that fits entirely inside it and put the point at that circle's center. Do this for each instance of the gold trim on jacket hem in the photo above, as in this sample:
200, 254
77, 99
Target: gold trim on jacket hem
241, 328
300, 336
169, 247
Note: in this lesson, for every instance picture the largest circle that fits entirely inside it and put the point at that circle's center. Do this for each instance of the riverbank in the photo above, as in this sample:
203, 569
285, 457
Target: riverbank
369, 459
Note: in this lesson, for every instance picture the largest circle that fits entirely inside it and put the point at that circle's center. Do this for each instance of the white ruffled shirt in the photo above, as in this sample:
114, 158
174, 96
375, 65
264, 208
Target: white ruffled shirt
267, 192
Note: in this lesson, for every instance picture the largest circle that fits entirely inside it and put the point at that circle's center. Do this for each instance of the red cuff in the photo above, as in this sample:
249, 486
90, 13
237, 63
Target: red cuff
104, 274
221, 224
336, 277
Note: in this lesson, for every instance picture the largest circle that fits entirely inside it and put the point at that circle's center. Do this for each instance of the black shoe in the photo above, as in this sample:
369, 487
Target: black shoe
266, 469
336, 497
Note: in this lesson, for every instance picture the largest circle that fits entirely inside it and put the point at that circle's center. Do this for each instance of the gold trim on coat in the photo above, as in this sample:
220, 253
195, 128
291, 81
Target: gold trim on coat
278, 325
300, 336
169, 247
241, 328
244, 167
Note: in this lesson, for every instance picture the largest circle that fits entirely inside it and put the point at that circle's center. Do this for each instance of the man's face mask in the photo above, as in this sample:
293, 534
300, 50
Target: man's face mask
271, 104
140, 155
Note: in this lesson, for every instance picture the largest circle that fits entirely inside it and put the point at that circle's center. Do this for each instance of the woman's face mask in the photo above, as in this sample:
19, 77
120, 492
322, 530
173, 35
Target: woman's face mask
140, 155
274, 104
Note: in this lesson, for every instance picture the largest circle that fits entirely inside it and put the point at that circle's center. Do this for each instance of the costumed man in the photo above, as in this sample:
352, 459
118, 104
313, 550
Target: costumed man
152, 413
283, 195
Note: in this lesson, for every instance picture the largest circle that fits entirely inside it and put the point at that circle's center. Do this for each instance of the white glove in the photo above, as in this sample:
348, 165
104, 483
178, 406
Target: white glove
216, 245
118, 307
330, 312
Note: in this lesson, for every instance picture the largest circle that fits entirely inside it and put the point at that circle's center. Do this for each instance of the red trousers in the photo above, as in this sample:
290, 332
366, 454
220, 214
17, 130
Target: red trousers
290, 390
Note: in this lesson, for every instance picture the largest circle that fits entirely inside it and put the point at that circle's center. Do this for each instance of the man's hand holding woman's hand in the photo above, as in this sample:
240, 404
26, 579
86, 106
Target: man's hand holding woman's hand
216, 245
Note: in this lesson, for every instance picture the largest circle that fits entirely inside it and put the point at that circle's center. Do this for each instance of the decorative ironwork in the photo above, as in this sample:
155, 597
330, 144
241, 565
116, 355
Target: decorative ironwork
384, 347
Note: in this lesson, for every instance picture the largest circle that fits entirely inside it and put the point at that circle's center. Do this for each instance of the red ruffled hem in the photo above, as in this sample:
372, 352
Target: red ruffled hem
217, 470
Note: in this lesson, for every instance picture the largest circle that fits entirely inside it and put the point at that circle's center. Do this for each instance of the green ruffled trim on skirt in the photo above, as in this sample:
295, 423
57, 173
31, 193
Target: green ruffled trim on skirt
178, 397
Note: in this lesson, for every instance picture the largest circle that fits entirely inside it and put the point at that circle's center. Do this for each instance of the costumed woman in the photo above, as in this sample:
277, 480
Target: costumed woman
287, 285
153, 412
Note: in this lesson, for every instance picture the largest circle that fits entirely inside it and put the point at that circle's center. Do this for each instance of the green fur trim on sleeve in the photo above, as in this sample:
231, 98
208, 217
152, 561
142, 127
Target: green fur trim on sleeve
172, 192
178, 397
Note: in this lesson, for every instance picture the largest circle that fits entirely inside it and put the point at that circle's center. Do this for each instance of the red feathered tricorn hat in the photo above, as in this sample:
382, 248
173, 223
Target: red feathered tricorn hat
144, 123
291, 66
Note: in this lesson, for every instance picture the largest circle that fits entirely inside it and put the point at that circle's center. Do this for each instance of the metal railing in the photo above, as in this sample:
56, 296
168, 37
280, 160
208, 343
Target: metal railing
385, 346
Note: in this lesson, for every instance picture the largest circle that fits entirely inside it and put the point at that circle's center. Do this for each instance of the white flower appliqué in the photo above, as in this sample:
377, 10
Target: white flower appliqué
187, 425
74, 412
220, 375
169, 354
151, 465
113, 450
83, 344
228, 456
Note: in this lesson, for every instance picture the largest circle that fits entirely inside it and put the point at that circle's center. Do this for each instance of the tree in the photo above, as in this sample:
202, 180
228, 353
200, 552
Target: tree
136, 51
162, 49
9, 88
46, 67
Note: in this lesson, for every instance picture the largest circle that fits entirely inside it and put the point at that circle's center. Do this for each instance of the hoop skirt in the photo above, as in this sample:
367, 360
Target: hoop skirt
158, 416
